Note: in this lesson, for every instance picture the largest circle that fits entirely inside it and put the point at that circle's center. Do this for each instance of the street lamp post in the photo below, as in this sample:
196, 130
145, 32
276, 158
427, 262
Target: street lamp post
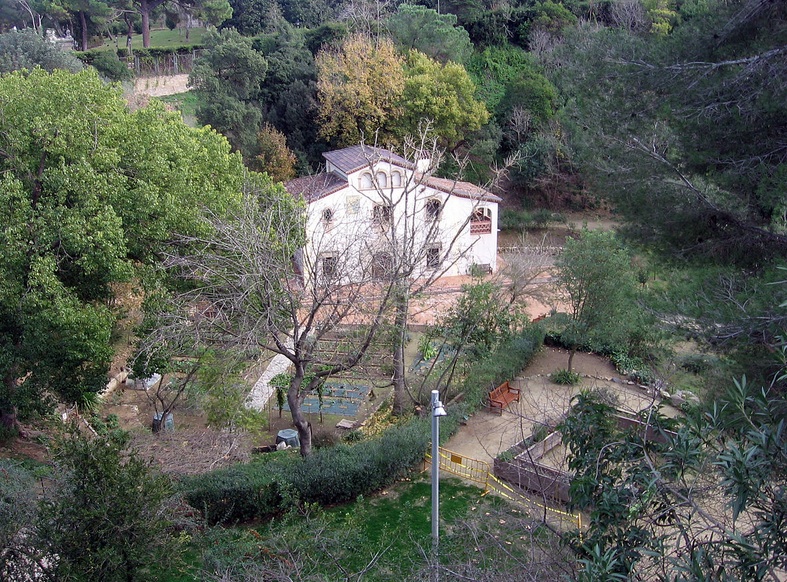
437, 412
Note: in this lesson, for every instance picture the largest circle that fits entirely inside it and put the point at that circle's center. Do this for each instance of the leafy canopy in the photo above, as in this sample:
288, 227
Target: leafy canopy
435, 35
90, 192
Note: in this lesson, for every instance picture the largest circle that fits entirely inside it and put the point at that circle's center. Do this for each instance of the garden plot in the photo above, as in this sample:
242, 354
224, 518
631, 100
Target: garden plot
341, 399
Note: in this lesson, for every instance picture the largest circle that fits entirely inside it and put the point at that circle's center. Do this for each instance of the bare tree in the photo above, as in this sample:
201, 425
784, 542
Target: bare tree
630, 15
526, 270
261, 292
520, 122
367, 16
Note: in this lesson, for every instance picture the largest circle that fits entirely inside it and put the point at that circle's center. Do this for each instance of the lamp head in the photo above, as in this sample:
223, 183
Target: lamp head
438, 410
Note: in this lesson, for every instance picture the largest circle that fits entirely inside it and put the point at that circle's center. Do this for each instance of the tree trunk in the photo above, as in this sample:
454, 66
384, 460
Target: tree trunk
9, 423
571, 357
303, 426
8, 420
83, 24
401, 401
129, 33
144, 10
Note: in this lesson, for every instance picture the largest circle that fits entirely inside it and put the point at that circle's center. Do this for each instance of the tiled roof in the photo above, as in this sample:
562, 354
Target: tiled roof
315, 187
462, 189
353, 158
349, 160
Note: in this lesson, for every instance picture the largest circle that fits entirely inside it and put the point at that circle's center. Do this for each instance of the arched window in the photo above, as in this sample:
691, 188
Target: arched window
396, 179
382, 180
481, 221
366, 181
432, 209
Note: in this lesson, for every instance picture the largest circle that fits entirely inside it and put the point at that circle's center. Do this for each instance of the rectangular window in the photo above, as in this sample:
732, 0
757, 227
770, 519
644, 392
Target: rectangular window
382, 215
433, 257
328, 267
353, 204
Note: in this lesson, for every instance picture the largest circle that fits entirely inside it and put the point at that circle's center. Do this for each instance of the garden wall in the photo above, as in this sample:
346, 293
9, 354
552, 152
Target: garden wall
526, 470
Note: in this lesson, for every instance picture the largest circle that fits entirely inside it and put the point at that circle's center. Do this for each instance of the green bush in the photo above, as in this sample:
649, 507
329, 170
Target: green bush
524, 220
107, 63
330, 475
342, 473
632, 367
566, 377
239, 493
699, 363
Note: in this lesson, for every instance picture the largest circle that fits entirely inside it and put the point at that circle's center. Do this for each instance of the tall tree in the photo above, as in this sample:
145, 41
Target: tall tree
442, 94
215, 11
416, 252
435, 35
359, 89
275, 158
227, 77
88, 13
259, 298
685, 134
595, 274
90, 192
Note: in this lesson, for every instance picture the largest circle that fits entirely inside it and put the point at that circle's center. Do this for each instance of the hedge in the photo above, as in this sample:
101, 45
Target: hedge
342, 473
330, 475
239, 493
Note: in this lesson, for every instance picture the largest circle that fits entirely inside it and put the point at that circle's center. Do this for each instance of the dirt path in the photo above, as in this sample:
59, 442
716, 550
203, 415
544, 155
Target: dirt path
161, 86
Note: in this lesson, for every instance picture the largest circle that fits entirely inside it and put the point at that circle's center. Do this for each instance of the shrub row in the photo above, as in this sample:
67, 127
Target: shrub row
330, 475
342, 473
238, 493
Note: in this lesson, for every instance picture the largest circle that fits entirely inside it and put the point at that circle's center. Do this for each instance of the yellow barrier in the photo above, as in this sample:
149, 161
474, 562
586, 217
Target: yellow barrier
479, 472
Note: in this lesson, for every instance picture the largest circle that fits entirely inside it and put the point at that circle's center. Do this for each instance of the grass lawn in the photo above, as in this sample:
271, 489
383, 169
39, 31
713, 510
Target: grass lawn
163, 38
388, 536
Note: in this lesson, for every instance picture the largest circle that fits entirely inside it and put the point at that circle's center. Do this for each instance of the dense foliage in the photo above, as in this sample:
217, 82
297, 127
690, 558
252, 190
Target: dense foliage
90, 192
101, 513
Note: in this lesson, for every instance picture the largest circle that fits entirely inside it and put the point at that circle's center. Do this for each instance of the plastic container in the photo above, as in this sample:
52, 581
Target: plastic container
288, 436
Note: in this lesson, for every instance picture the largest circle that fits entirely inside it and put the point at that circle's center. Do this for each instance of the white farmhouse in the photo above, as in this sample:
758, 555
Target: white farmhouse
372, 212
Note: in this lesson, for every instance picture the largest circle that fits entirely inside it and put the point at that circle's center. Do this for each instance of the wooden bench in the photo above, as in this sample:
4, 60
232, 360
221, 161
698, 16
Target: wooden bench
502, 396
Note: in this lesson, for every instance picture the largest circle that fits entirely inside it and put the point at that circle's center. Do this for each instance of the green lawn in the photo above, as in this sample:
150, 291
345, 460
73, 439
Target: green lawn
163, 38
186, 103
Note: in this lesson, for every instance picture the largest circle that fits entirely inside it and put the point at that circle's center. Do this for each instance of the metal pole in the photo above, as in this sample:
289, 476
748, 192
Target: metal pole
435, 468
